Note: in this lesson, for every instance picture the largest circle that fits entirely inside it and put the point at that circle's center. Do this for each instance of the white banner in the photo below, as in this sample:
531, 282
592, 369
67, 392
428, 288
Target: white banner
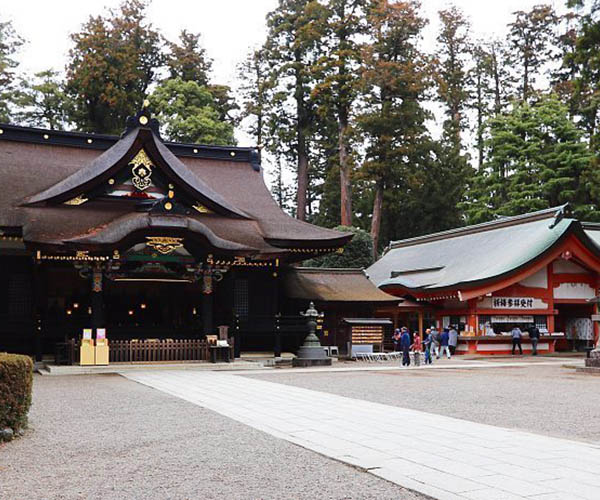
513, 303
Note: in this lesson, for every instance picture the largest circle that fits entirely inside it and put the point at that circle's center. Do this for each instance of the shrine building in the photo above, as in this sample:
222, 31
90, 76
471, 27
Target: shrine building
142, 237
539, 268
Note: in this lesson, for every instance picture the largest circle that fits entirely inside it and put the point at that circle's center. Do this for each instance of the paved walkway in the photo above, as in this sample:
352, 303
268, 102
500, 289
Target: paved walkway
443, 457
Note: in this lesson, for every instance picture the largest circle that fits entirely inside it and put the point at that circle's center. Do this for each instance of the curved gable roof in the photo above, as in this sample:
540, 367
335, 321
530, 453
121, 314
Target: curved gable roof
472, 255
117, 157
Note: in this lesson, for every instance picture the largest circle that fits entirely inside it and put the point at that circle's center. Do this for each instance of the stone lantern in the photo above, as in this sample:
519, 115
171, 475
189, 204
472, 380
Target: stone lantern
311, 353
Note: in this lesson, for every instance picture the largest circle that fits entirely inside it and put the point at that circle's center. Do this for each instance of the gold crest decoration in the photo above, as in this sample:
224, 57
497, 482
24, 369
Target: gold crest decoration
141, 170
164, 244
78, 200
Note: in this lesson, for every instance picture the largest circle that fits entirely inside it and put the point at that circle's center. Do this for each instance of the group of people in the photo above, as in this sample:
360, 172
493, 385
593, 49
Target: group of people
434, 343
517, 334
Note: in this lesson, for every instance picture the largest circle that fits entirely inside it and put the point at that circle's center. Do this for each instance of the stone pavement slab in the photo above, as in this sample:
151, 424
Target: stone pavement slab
443, 457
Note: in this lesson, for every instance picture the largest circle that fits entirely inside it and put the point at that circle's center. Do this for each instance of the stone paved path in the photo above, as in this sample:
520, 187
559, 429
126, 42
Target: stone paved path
411, 448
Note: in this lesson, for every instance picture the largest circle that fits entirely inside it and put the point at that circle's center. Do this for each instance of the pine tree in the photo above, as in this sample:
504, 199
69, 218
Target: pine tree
189, 113
537, 160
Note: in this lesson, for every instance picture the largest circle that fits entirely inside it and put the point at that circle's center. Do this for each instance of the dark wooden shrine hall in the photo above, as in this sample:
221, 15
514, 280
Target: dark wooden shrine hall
144, 238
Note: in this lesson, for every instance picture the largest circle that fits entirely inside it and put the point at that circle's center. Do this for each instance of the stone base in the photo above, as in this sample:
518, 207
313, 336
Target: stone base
588, 369
304, 362
594, 360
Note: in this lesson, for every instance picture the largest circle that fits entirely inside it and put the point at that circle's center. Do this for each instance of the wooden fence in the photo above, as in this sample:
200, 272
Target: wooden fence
150, 350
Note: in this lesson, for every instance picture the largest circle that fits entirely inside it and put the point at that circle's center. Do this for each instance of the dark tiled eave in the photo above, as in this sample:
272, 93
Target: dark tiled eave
102, 142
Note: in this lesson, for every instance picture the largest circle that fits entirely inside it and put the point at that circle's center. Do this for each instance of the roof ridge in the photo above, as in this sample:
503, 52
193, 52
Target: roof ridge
481, 227
340, 270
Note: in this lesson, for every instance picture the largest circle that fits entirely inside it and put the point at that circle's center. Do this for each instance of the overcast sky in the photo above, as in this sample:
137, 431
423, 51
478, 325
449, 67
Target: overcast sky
229, 28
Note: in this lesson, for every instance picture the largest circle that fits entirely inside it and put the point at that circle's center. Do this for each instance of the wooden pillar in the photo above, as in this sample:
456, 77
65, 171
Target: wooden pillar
97, 299
38, 298
420, 316
207, 313
276, 329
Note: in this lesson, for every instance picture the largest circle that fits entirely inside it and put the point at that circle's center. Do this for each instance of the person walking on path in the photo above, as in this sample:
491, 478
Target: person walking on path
435, 342
427, 346
396, 339
453, 340
405, 344
534, 335
516, 339
416, 348
444, 339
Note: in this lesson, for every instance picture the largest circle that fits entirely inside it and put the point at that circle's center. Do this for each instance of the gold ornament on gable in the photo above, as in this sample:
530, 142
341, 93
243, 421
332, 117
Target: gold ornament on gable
141, 170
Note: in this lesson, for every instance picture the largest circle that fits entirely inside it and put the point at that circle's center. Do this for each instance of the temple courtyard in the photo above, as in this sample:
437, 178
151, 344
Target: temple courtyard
494, 428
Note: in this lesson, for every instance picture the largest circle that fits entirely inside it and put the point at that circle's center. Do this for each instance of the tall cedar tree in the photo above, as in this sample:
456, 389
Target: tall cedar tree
338, 83
537, 160
453, 76
453, 82
111, 65
396, 76
10, 43
262, 116
292, 42
581, 66
188, 60
42, 101
532, 40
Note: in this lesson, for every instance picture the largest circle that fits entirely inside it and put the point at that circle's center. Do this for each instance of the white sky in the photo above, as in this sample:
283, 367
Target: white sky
229, 28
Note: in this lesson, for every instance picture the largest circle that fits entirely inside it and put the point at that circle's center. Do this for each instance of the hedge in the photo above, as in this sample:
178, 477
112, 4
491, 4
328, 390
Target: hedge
16, 380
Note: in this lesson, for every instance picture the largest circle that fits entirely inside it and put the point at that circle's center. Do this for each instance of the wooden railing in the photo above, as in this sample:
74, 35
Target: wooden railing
154, 351
148, 351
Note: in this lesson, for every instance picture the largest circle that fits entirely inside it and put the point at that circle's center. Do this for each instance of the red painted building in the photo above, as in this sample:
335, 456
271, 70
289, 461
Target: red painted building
540, 268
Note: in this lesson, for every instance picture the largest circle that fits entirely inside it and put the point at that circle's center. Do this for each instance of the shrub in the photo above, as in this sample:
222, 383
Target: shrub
16, 380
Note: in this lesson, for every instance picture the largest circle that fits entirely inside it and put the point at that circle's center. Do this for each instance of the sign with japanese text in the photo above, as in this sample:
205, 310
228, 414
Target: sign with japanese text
512, 303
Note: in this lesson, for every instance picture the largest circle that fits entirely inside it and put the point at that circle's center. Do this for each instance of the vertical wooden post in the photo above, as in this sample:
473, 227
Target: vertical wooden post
38, 297
420, 316
97, 299
207, 313
277, 331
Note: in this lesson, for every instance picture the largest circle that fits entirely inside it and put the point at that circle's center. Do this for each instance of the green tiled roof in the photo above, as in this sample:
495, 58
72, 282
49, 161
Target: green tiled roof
473, 254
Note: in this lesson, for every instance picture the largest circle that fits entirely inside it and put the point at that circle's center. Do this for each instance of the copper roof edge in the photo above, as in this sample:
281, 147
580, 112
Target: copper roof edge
508, 221
90, 140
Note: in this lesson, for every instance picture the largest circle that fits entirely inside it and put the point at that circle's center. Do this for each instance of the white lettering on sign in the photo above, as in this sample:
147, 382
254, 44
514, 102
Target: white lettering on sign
512, 303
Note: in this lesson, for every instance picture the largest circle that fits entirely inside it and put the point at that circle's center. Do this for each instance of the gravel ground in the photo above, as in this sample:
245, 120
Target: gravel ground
105, 437
549, 400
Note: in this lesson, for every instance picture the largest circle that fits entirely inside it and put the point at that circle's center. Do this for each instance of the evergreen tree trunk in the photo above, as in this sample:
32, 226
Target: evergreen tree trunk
301, 127
345, 183
376, 220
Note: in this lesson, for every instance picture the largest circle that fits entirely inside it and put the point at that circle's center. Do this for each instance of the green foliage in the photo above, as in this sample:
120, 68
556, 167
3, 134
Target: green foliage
16, 381
189, 113
10, 42
531, 37
537, 159
358, 253
111, 65
43, 101
187, 60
